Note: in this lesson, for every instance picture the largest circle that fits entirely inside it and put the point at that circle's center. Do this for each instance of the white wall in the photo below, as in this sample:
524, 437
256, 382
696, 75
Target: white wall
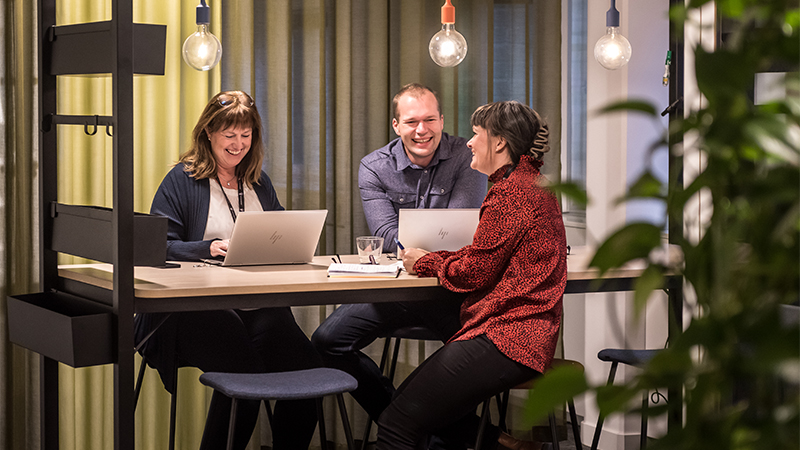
617, 152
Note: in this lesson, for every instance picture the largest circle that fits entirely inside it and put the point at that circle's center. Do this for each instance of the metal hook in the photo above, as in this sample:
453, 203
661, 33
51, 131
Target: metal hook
108, 130
86, 127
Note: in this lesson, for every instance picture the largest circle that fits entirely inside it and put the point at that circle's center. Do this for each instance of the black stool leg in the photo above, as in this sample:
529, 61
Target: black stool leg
643, 437
553, 430
139, 380
384, 357
348, 434
173, 409
268, 407
232, 423
323, 437
482, 426
502, 408
395, 355
599, 427
576, 431
173, 406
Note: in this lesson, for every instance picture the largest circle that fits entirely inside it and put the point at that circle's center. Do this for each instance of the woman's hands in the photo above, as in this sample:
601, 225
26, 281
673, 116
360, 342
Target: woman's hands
219, 248
410, 256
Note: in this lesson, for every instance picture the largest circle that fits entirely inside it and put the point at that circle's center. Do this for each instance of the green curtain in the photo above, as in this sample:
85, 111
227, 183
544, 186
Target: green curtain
165, 112
322, 72
19, 408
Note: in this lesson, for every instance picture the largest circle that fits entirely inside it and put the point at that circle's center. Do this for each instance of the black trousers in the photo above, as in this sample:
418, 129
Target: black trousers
257, 341
352, 327
441, 395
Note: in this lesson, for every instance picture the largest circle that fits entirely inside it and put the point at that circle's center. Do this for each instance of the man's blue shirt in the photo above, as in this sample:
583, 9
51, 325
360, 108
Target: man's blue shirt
389, 181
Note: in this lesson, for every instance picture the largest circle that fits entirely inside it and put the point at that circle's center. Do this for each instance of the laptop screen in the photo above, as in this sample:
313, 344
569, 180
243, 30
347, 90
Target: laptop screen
275, 237
437, 228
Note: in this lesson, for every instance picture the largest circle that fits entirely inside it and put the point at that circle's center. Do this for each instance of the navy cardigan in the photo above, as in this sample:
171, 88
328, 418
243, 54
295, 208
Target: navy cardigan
184, 201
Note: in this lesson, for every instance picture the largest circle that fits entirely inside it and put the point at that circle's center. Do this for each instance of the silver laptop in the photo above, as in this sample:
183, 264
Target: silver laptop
437, 228
274, 237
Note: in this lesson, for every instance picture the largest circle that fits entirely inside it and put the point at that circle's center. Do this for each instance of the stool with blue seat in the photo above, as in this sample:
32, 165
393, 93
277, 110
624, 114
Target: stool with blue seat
294, 385
633, 358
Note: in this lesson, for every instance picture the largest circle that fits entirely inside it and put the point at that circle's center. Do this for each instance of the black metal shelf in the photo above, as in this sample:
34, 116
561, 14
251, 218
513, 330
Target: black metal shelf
87, 49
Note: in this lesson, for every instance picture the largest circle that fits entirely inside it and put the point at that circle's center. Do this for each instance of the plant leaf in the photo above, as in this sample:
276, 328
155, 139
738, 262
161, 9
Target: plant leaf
555, 388
631, 105
633, 241
571, 191
647, 186
650, 280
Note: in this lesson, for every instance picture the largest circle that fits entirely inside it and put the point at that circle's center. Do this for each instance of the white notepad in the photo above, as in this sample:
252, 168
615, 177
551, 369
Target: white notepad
437, 228
363, 270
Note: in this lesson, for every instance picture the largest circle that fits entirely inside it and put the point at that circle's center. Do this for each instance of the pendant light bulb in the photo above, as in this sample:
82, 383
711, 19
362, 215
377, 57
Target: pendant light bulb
612, 50
448, 47
202, 50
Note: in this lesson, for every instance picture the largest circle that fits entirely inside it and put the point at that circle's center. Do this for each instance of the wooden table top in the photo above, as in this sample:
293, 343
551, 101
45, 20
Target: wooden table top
197, 279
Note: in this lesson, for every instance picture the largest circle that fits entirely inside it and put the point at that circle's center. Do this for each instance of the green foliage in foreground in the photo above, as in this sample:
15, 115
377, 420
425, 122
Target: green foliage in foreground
738, 365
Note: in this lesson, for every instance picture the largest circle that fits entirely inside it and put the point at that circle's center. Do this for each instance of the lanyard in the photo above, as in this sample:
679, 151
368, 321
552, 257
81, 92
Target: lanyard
241, 198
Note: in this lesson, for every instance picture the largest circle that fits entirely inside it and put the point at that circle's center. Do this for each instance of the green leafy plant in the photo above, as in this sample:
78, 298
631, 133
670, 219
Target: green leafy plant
738, 365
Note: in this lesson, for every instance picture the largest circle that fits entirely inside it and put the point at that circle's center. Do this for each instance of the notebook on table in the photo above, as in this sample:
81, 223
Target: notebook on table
437, 228
274, 237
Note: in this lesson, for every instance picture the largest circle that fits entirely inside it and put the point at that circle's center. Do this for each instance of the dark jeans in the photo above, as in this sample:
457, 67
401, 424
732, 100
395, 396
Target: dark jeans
352, 327
441, 395
257, 341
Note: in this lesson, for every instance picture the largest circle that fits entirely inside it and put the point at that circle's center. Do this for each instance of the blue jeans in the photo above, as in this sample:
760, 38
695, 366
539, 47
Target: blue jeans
352, 327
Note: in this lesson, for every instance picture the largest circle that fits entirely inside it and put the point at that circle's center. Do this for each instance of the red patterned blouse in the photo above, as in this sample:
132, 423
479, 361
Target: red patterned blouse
515, 270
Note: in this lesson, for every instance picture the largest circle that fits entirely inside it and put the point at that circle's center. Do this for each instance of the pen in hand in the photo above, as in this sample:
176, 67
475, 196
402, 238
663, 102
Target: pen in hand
399, 245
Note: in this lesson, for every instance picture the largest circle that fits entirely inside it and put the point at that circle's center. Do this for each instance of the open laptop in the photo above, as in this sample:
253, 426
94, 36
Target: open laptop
437, 228
274, 237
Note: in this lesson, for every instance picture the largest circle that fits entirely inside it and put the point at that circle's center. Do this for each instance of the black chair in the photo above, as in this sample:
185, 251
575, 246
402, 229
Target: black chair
173, 402
634, 358
416, 333
502, 407
140, 379
293, 385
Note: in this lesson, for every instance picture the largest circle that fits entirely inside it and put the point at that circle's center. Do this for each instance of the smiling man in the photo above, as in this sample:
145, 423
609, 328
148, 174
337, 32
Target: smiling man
423, 168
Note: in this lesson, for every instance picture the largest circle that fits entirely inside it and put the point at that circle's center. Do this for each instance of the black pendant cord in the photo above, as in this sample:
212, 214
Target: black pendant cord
241, 198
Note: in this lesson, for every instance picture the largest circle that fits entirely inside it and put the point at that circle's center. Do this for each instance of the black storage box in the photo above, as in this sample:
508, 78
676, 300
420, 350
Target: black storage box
86, 231
69, 329
87, 48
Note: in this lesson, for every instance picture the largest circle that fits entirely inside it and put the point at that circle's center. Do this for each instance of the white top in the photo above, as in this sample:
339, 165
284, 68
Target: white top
220, 223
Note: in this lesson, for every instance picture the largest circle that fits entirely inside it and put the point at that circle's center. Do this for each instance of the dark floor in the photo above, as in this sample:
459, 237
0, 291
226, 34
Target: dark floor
566, 441
568, 444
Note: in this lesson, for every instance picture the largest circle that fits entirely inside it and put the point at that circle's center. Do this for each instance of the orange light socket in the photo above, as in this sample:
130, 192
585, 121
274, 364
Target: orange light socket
448, 12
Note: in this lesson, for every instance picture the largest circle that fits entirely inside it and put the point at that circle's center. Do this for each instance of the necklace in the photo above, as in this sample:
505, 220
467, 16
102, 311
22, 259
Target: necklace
228, 183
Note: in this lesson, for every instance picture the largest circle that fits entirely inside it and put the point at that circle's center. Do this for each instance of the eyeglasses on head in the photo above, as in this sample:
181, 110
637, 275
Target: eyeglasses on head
229, 98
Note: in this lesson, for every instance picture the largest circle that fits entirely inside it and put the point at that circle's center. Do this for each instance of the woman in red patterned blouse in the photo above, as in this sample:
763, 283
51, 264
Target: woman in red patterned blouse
514, 274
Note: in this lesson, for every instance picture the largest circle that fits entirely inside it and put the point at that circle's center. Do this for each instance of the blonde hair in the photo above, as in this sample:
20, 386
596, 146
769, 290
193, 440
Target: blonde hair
225, 110
415, 90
